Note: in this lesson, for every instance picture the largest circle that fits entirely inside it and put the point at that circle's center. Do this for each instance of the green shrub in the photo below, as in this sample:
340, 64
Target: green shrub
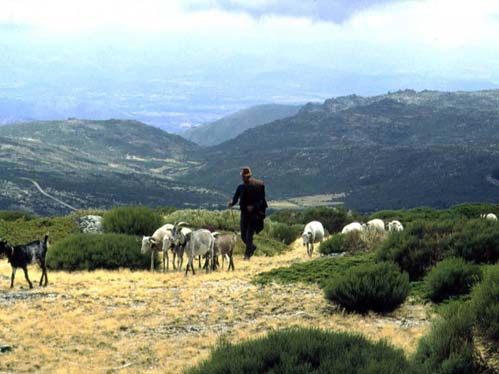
136, 220
485, 302
448, 348
419, 247
13, 215
317, 271
97, 251
213, 220
451, 277
333, 219
21, 231
478, 241
379, 287
281, 232
350, 242
300, 351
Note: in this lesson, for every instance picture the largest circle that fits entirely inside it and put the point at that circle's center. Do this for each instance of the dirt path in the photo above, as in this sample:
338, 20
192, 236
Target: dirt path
141, 322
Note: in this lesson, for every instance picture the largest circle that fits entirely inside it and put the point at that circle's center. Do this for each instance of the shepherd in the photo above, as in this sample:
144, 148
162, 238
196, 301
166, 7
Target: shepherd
251, 196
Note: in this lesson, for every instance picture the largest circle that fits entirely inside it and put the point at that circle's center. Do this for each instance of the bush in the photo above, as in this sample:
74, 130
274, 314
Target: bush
316, 271
478, 241
21, 231
419, 247
448, 348
283, 233
137, 220
451, 277
379, 287
350, 242
13, 215
333, 219
213, 220
97, 251
298, 351
485, 303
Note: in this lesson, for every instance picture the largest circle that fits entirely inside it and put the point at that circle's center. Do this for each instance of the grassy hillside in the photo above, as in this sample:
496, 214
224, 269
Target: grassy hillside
231, 126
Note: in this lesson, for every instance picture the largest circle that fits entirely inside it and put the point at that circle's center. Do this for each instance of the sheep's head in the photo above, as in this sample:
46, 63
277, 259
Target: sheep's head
147, 244
307, 238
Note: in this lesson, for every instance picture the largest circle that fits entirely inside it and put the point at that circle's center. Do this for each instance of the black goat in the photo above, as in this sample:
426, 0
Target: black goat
20, 256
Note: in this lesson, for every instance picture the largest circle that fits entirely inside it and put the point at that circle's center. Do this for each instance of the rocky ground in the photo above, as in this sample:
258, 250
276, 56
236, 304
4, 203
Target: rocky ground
106, 321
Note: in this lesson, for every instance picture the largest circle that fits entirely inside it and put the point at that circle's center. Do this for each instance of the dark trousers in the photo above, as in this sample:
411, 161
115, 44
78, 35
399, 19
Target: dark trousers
247, 232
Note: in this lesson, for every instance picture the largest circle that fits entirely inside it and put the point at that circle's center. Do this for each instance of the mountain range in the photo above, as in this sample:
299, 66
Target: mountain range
398, 150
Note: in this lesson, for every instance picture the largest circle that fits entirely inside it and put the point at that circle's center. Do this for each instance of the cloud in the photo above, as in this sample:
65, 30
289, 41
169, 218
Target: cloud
336, 11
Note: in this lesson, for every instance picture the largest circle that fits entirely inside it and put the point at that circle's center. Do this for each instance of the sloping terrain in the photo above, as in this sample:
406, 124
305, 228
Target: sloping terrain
229, 127
95, 164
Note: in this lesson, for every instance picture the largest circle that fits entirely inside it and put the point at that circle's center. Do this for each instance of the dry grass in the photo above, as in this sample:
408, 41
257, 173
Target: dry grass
162, 323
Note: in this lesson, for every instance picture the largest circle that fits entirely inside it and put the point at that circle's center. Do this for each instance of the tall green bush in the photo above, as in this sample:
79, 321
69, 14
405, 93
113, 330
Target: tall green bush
451, 277
380, 287
485, 302
133, 220
448, 348
478, 241
97, 251
301, 351
419, 247
350, 242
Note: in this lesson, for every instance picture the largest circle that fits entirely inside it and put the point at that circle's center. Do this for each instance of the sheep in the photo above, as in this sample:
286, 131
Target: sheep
20, 256
376, 225
225, 245
313, 233
178, 245
489, 216
354, 226
395, 226
155, 243
198, 243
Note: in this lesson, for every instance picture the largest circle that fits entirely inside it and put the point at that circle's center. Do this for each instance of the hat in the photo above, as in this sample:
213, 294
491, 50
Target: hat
246, 171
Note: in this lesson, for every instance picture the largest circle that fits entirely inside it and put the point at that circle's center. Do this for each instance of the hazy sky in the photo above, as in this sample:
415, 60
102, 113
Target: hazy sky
429, 42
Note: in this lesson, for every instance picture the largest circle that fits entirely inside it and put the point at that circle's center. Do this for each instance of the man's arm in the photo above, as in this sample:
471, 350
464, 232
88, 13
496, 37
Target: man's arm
236, 196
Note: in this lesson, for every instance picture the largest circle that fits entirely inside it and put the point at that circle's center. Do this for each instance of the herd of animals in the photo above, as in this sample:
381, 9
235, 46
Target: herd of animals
180, 239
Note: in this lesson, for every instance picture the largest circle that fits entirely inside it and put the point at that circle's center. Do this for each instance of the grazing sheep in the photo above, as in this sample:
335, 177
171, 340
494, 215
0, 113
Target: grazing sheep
198, 243
179, 244
154, 243
225, 245
20, 256
489, 216
376, 225
354, 226
313, 233
395, 226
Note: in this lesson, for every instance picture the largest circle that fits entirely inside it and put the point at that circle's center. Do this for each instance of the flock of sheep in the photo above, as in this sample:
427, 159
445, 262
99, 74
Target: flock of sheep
180, 239
314, 231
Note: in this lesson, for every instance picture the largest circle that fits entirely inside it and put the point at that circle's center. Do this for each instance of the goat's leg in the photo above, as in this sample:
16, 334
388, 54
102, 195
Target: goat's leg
152, 260
25, 269
44, 275
231, 263
174, 256
12, 277
199, 262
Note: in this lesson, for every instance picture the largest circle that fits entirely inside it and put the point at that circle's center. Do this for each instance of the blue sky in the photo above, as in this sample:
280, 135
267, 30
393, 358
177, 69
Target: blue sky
211, 50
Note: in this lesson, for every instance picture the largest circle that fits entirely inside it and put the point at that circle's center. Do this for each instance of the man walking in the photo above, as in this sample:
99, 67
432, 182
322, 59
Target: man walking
251, 196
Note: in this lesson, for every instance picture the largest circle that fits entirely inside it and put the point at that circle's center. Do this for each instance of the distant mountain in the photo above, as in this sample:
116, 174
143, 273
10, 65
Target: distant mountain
231, 126
398, 150
95, 164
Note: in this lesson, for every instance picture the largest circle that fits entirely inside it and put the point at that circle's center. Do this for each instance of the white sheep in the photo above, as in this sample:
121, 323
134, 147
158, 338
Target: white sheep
179, 246
395, 226
376, 225
199, 243
154, 243
313, 233
489, 216
354, 226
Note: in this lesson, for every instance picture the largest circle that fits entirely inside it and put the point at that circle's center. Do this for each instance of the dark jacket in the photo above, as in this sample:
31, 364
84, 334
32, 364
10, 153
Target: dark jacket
251, 194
